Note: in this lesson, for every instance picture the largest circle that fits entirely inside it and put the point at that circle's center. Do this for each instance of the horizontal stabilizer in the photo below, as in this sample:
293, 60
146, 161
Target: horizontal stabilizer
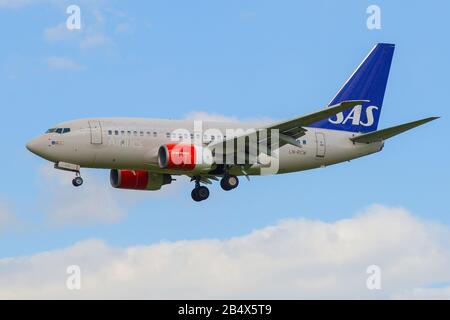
390, 132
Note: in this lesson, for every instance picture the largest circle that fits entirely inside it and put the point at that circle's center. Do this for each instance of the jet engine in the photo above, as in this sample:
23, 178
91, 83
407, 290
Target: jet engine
185, 157
138, 179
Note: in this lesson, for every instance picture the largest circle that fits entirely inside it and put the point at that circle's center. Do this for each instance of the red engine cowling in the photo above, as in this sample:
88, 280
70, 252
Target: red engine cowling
138, 179
185, 157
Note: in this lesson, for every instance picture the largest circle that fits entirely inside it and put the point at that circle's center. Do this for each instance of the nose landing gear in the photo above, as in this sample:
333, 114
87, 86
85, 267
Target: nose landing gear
77, 181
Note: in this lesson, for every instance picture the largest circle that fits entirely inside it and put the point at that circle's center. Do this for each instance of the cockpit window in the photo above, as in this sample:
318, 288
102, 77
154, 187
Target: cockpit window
58, 130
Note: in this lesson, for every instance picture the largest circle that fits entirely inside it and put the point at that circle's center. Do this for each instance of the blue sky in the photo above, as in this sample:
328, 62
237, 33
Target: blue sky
244, 59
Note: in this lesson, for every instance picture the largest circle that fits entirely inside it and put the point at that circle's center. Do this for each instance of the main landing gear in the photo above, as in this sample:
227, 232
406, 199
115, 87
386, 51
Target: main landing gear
199, 193
229, 182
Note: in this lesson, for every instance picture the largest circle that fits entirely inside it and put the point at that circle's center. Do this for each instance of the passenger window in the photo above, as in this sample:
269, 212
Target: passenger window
110, 132
116, 132
155, 134
122, 132
304, 141
66, 130
142, 133
59, 130
129, 133
168, 135
135, 133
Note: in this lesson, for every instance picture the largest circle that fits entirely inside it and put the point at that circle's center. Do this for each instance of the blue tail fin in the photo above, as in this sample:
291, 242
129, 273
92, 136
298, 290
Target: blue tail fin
368, 82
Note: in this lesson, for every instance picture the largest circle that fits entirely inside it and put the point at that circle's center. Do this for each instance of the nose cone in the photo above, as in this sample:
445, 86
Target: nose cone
36, 146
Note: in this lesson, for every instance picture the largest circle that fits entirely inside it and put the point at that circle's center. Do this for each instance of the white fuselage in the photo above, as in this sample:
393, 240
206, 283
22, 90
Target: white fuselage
133, 143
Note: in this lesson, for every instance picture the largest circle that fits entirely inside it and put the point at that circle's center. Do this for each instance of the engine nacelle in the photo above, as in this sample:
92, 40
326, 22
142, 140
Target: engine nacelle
185, 157
138, 179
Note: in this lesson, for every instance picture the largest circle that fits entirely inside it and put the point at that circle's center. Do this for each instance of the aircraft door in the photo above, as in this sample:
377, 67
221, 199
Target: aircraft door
96, 132
320, 145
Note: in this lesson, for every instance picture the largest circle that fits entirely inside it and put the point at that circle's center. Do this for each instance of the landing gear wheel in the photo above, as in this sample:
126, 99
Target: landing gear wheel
200, 193
195, 196
229, 182
203, 193
77, 181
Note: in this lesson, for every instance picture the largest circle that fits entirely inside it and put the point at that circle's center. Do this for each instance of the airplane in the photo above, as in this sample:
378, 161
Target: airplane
145, 154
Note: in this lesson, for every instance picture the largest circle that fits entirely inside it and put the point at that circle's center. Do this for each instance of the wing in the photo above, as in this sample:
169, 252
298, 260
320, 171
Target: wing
289, 130
295, 128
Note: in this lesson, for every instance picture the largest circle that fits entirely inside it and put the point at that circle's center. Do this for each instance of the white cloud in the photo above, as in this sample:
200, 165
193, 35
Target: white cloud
206, 116
94, 202
93, 28
61, 33
64, 63
425, 293
124, 28
17, 3
296, 258
93, 32
8, 220
95, 40
13, 4
90, 38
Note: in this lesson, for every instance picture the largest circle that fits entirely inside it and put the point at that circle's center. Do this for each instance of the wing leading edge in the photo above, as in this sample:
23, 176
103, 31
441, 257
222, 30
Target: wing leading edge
292, 129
